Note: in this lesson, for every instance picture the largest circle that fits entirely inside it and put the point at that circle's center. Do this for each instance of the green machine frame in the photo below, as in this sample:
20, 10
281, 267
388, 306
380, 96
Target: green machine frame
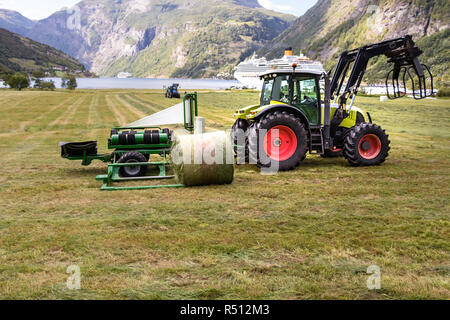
119, 142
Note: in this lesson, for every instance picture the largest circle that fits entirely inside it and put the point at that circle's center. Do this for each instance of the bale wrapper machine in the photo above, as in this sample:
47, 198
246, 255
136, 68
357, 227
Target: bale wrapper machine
133, 147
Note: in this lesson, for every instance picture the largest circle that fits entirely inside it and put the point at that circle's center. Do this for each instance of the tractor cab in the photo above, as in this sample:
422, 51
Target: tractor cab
297, 89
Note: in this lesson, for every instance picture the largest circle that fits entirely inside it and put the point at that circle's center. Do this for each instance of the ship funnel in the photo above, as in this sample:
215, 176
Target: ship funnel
288, 52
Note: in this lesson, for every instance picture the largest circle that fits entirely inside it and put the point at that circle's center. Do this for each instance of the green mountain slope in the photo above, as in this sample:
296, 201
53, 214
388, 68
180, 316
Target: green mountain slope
163, 38
15, 22
333, 26
20, 54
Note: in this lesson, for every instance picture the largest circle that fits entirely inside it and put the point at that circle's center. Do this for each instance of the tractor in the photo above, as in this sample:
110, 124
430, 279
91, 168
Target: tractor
172, 91
295, 116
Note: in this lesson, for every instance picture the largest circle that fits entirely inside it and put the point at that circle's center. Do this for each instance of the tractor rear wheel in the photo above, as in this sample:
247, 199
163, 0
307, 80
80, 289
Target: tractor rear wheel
366, 145
283, 140
133, 171
239, 127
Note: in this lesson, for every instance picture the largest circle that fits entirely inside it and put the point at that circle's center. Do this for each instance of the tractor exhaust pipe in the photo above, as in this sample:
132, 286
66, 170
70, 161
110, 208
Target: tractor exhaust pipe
327, 112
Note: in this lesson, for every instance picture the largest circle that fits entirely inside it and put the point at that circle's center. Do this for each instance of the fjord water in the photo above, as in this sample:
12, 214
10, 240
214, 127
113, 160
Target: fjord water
139, 83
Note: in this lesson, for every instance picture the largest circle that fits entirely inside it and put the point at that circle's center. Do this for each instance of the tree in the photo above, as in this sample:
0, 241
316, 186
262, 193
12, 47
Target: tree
44, 85
69, 82
18, 81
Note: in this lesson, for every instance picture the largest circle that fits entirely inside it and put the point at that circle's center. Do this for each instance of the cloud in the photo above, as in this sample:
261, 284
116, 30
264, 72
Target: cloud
269, 4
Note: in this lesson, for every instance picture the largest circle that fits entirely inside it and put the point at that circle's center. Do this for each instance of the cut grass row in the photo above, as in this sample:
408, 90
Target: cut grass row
310, 233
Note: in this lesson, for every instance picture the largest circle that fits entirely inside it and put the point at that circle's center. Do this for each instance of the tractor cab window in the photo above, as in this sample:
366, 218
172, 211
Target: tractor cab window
267, 92
281, 89
306, 98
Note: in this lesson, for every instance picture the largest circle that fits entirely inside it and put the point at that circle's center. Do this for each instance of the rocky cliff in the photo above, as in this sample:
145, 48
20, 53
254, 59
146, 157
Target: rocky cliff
333, 26
161, 38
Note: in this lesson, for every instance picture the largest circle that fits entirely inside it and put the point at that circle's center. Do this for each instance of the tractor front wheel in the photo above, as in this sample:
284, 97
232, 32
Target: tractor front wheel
133, 171
366, 145
278, 139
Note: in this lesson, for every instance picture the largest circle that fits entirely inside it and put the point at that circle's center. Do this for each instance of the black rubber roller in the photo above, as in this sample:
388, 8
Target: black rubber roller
132, 138
123, 139
155, 137
148, 137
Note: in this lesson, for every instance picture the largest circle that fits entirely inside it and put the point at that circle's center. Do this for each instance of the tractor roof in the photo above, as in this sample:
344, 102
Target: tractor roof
290, 71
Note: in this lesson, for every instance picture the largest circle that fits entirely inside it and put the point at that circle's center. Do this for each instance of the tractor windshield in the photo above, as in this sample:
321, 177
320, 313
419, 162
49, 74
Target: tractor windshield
280, 90
266, 96
276, 89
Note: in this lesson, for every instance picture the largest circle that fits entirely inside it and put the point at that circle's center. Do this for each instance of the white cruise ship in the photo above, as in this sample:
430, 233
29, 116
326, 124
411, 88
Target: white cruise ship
124, 75
248, 71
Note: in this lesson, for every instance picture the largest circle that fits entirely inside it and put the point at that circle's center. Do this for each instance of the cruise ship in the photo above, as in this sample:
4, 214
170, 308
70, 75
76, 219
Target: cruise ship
248, 71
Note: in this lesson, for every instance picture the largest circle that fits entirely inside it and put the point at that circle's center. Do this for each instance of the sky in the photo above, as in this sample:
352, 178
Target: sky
295, 7
40, 9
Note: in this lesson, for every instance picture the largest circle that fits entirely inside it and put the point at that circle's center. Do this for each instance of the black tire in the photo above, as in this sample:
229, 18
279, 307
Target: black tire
133, 171
357, 136
360, 118
269, 121
240, 124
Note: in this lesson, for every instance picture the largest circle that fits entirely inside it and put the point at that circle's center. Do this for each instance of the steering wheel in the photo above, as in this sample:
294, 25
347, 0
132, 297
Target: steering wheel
309, 100
283, 97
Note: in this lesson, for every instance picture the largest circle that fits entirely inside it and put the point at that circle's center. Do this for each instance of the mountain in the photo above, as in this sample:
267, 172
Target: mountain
15, 22
162, 38
20, 54
332, 26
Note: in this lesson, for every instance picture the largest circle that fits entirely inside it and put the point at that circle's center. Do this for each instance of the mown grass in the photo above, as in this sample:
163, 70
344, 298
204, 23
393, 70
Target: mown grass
306, 234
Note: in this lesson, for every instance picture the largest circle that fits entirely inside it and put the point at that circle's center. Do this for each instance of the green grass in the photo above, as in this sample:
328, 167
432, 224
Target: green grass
306, 234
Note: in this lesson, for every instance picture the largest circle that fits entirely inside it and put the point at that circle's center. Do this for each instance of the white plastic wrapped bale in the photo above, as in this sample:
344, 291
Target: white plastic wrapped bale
203, 159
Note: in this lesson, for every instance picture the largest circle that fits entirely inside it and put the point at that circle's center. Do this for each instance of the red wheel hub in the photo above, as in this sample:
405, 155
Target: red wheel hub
280, 143
369, 146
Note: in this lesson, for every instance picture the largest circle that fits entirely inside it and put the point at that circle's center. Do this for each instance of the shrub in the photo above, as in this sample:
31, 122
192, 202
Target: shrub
444, 92
44, 85
18, 81
38, 74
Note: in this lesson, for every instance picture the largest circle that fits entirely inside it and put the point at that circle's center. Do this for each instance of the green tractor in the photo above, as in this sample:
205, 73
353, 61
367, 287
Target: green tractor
295, 116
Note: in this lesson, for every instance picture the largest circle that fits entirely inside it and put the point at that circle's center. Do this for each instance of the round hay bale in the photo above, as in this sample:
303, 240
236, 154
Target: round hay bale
383, 99
203, 159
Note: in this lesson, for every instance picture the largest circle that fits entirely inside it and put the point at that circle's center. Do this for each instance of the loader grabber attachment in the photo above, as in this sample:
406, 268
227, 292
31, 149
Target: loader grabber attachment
402, 52
408, 69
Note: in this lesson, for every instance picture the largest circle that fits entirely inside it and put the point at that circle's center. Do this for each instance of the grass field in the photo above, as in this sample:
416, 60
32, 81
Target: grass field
306, 234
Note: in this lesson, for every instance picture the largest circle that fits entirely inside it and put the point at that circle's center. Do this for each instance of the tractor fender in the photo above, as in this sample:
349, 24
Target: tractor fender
284, 107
